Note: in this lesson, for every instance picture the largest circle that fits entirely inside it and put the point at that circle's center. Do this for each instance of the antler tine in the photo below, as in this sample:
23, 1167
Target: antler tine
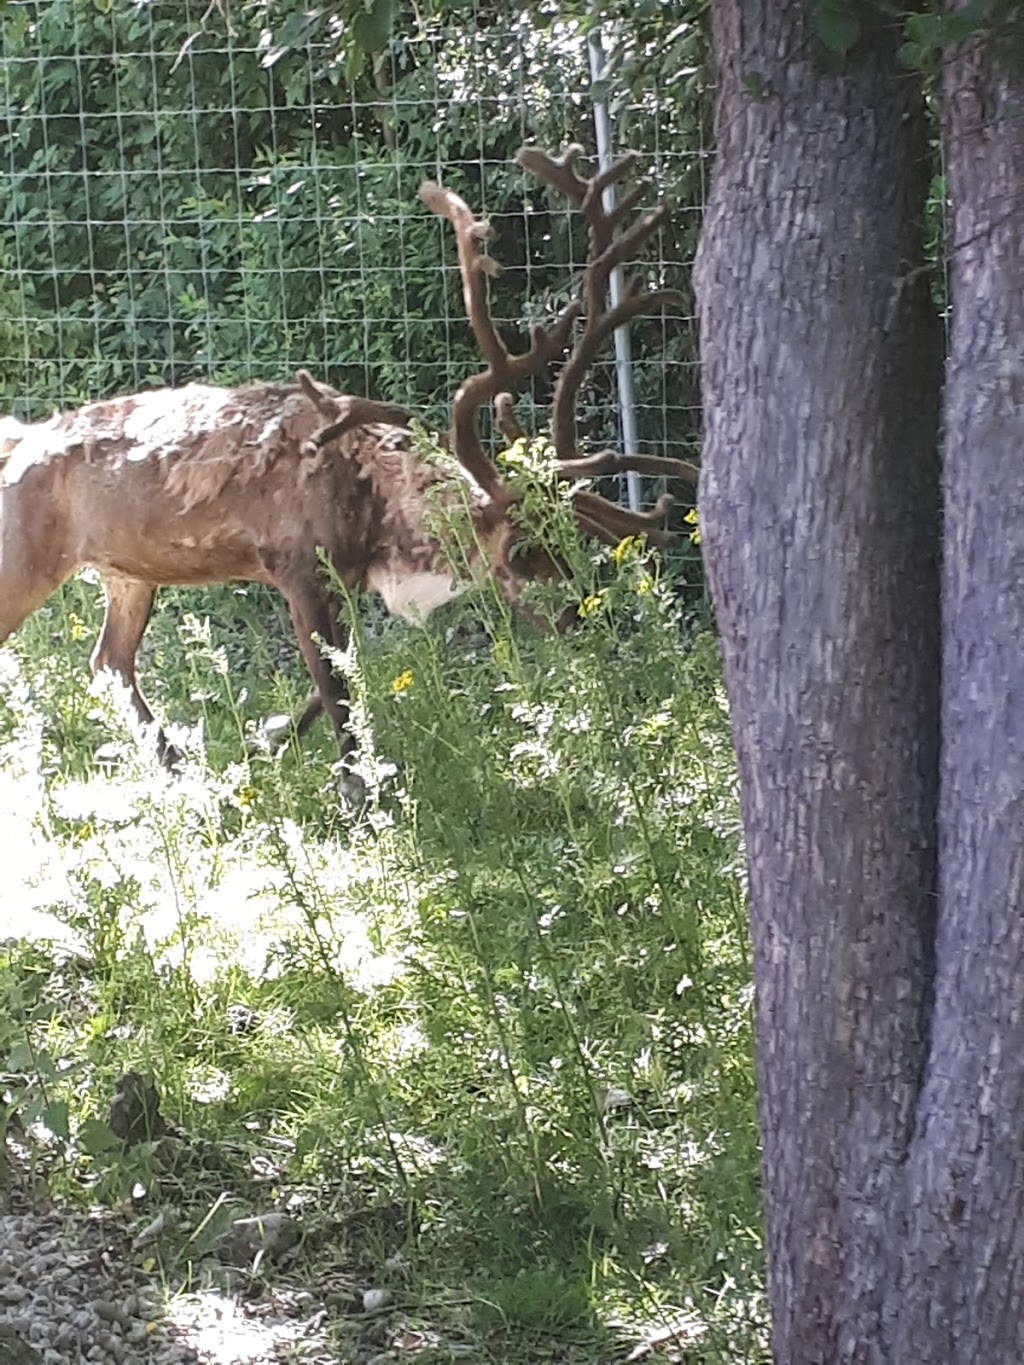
606, 252
563, 405
603, 230
617, 170
343, 412
504, 371
617, 521
316, 393
595, 530
504, 415
471, 233
604, 462
361, 412
587, 194
557, 171
603, 322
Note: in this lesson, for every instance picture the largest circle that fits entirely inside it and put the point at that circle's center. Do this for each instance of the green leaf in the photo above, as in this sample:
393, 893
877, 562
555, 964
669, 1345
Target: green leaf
924, 30
838, 26
55, 1117
928, 35
21, 1058
95, 1137
310, 1139
915, 56
372, 27
295, 32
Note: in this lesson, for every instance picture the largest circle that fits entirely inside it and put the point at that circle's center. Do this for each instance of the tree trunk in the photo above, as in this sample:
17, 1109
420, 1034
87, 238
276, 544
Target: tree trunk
819, 515
961, 1299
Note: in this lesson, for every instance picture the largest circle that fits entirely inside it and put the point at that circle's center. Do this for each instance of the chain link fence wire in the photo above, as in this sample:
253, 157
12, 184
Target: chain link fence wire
229, 191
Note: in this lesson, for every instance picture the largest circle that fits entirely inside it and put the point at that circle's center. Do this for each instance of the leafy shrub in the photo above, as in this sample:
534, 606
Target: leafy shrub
513, 995
236, 199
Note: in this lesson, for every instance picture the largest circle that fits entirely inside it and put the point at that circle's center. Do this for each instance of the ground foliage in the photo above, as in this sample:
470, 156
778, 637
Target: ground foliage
490, 1037
496, 1026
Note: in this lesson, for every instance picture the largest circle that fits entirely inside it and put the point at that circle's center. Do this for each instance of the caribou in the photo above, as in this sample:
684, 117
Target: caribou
203, 484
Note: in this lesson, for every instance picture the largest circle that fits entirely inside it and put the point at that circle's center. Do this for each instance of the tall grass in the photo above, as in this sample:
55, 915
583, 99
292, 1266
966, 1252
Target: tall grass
495, 1024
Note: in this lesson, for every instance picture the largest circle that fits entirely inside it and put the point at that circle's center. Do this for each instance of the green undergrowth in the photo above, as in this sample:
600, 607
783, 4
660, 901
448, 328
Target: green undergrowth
489, 1035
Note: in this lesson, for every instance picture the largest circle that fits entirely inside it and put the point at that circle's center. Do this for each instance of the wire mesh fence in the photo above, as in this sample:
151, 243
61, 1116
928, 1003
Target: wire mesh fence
229, 191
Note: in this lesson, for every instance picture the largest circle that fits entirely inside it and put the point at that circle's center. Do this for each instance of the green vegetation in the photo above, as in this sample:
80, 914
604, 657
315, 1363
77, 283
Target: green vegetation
489, 1038
229, 199
495, 1025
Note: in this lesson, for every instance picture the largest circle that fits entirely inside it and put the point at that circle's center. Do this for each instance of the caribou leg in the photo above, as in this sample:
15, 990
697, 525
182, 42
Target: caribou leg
128, 604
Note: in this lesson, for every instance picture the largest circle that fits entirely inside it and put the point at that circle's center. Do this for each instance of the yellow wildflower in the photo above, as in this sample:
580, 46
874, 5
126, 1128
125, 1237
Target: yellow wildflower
691, 520
402, 683
590, 605
623, 549
644, 585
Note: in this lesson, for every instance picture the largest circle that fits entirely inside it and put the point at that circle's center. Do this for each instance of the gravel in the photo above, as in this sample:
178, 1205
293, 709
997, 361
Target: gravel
71, 1291
63, 1299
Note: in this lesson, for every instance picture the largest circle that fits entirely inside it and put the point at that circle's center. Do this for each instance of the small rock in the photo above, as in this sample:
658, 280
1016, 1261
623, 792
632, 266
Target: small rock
269, 1233
151, 1231
15, 1350
274, 731
376, 1299
341, 1300
110, 1312
135, 1110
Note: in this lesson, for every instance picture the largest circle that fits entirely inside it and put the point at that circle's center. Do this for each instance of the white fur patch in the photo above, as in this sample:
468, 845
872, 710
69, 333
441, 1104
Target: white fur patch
413, 595
21, 447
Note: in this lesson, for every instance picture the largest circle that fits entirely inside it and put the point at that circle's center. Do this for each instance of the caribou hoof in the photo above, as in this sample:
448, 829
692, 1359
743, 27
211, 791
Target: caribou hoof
352, 789
169, 755
272, 735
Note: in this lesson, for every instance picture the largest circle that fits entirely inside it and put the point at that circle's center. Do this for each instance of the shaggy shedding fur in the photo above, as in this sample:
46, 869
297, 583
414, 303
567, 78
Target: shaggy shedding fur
204, 485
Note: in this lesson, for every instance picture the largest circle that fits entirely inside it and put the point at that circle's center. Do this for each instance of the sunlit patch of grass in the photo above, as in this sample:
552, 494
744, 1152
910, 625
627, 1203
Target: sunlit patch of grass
496, 1024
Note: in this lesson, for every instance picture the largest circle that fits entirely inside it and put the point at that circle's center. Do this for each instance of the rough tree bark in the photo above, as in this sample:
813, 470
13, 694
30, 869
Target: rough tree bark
819, 512
960, 1299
